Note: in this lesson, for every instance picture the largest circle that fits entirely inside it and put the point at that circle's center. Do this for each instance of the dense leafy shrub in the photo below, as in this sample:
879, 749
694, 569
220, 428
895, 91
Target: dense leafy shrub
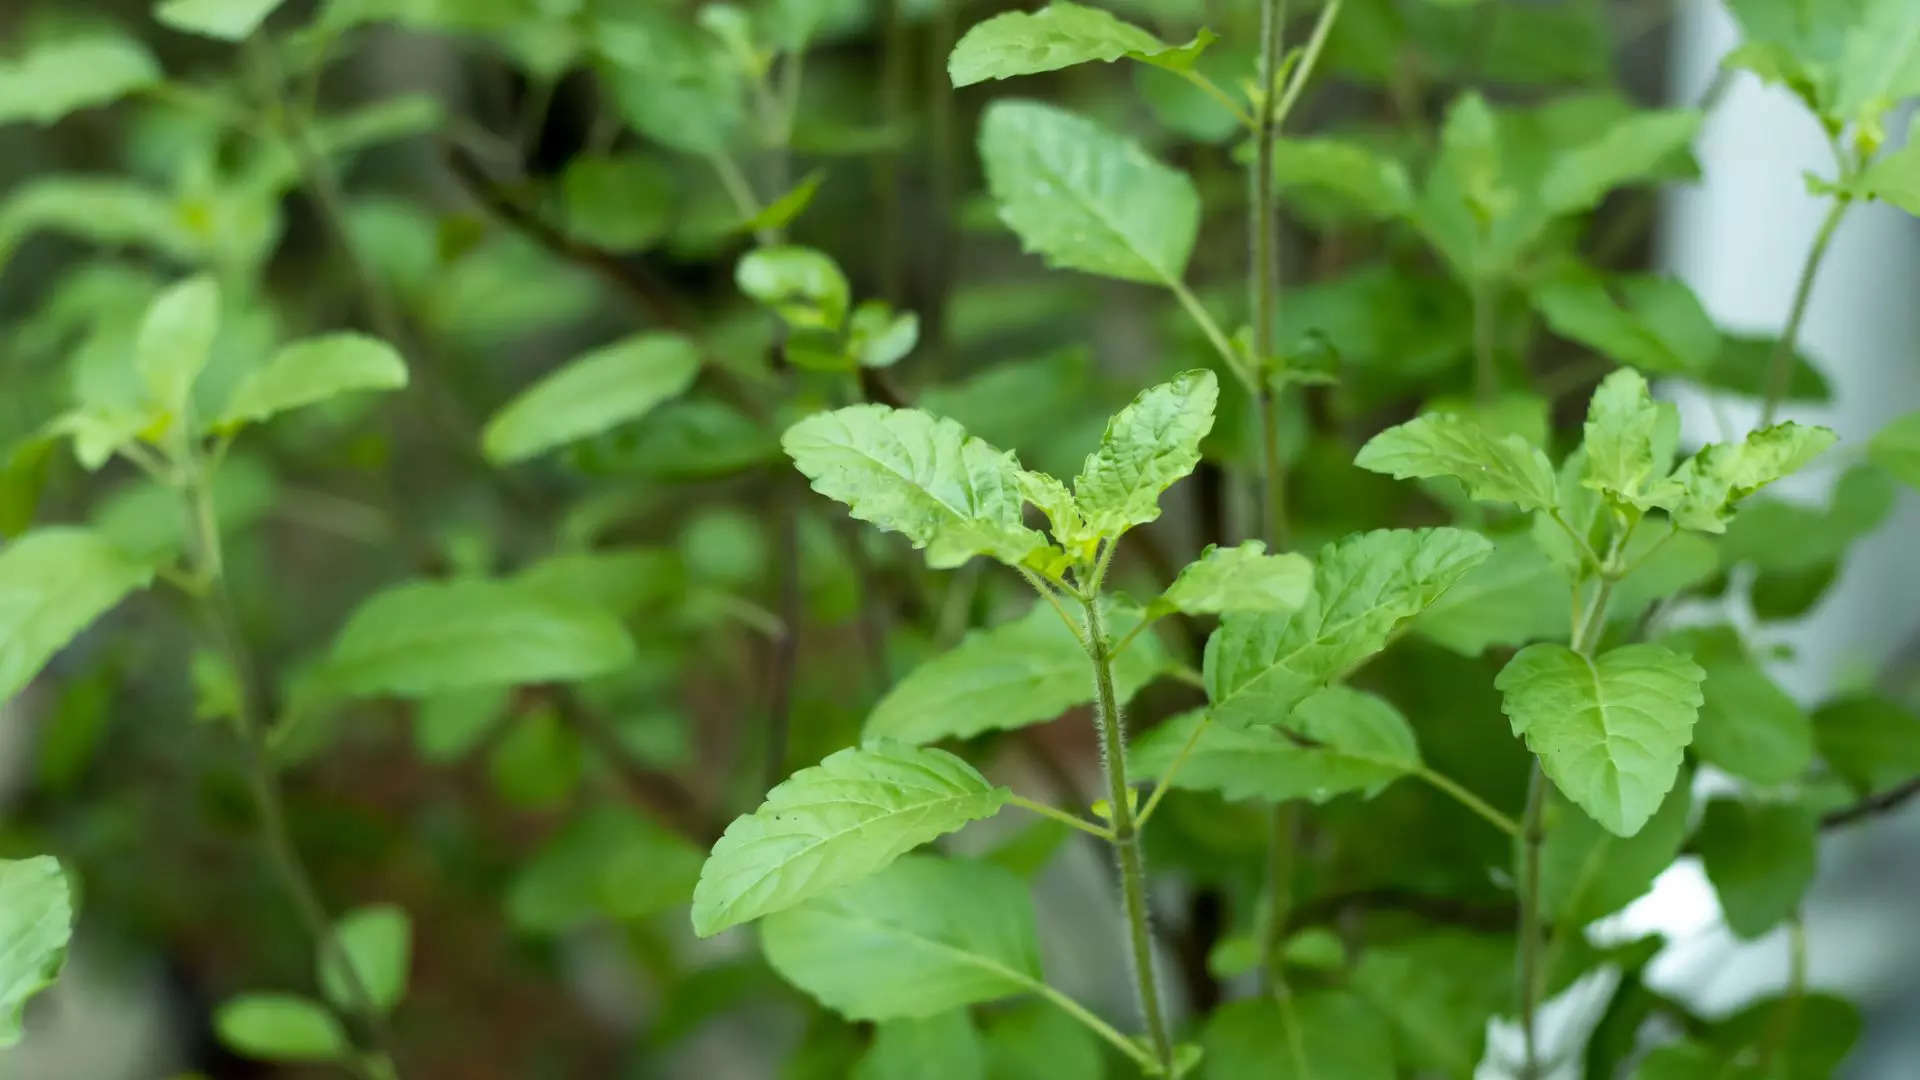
422, 387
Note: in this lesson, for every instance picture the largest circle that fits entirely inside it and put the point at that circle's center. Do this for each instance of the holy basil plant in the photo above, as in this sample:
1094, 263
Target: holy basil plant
875, 539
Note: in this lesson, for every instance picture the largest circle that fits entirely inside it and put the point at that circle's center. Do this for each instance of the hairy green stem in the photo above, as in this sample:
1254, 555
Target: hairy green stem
1263, 271
1125, 837
1780, 363
262, 777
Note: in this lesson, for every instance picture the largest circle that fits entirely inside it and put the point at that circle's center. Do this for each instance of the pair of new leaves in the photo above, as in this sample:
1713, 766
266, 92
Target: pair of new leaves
363, 965
625, 380
173, 347
64, 577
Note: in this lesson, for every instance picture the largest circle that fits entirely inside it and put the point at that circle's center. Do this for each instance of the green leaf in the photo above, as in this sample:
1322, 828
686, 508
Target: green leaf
1873, 743
1085, 198
1629, 439
1315, 1035
834, 823
1148, 446
429, 637
1632, 149
1259, 666
1505, 468
1703, 492
311, 371
1587, 872
607, 863
1057, 36
1760, 858
1371, 184
906, 472
940, 1047
623, 581
1825, 1028
1741, 367
1022, 672
1437, 992
1645, 320
105, 210
1609, 732
538, 763
59, 77
1895, 177
804, 286
176, 340
921, 937
593, 392
1034, 1041
1896, 448
1879, 62
781, 211
98, 432
878, 336
36, 921
1516, 596
618, 202
448, 725
228, 20
375, 943
675, 84
281, 1027
1240, 578
53, 583
1337, 741
1748, 725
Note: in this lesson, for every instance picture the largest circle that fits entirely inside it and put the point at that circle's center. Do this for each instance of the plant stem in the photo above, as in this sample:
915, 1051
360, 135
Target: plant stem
1452, 788
1486, 374
1282, 849
262, 777
1059, 815
1263, 271
1094, 1023
1315, 42
1780, 364
1125, 837
1166, 777
1533, 834
1215, 336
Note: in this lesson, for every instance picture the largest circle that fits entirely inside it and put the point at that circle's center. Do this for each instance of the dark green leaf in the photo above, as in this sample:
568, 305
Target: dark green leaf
925, 936
1760, 858
1366, 587
1022, 672
427, 638
1336, 741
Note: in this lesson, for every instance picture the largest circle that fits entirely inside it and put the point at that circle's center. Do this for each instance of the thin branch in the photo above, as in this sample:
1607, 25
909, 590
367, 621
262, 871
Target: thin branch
1061, 816
1165, 781
1886, 802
